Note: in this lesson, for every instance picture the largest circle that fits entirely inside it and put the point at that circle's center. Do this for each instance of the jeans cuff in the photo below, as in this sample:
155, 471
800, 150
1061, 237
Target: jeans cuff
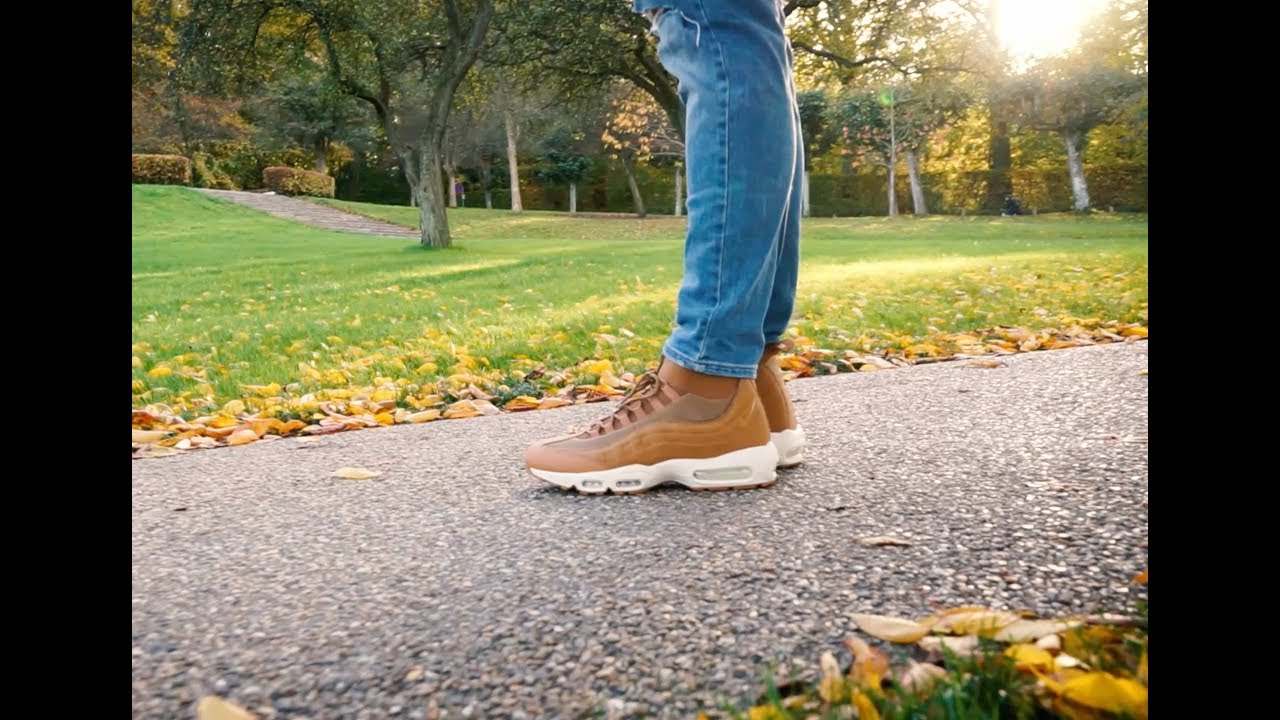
745, 372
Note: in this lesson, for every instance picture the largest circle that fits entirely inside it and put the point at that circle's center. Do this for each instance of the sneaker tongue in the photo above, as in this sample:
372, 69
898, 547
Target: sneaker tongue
649, 385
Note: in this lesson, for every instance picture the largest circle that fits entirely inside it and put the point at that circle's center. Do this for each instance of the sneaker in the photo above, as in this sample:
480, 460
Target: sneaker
657, 435
784, 429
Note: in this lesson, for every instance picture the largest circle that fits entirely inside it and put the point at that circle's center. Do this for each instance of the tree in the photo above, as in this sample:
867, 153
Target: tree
562, 164
1070, 97
638, 130
816, 133
309, 109
588, 44
404, 58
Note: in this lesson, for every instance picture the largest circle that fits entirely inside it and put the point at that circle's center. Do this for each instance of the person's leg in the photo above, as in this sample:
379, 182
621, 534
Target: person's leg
699, 420
785, 431
731, 58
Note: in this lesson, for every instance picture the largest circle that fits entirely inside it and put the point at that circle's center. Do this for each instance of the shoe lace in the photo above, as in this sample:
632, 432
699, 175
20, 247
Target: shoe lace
630, 407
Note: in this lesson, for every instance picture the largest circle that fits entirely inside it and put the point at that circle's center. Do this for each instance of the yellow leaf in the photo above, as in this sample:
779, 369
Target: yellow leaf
1021, 631
215, 708
521, 402
597, 367
243, 436
547, 403
866, 708
984, 364
137, 361
291, 427
963, 646
421, 417
895, 630
1136, 331
159, 372
235, 407
869, 663
149, 436
766, 712
261, 426
831, 688
139, 387
355, 473
382, 395
461, 409
1026, 656
427, 368
384, 419
223, 421
1142, 667
270, 390
1140, 578
1103, 691
974, 622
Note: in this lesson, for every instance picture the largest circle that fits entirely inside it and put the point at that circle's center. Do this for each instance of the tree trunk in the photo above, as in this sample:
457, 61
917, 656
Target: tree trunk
321, 149
636, 198
431, 215
679, 192
1075, 167
486, 172
513, 166
453, 187
804, 195
573, 198
893, 160
999, 161
918, 206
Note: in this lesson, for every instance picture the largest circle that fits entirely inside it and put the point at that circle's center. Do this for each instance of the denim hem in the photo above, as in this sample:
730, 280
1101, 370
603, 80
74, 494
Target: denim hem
745, 372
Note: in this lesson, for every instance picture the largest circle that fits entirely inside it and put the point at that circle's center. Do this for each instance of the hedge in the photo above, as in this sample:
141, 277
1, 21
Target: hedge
161, 170
292, 181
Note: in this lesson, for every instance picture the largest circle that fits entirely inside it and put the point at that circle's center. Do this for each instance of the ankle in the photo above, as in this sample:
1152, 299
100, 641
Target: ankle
688, 382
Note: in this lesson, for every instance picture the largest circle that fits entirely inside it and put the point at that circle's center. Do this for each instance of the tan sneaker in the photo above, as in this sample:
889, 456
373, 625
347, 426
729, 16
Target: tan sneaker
656, 436
784, 429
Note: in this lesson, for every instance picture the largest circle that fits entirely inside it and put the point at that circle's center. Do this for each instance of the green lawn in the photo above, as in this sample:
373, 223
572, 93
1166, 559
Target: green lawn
225, 297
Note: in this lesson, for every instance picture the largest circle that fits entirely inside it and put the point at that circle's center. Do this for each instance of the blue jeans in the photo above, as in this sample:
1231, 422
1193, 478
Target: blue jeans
745, 165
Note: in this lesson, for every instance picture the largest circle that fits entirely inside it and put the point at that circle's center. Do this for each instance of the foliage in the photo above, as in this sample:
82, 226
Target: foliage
161, 169
292, 181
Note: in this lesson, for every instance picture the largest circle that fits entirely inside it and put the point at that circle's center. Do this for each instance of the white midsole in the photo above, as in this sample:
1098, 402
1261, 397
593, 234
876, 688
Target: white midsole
746, 468
790, 444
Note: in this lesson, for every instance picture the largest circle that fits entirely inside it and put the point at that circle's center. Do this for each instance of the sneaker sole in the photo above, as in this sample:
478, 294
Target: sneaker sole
790, 444
744, 469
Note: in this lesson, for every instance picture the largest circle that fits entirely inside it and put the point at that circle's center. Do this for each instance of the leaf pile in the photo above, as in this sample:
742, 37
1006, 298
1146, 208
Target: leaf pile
197, 420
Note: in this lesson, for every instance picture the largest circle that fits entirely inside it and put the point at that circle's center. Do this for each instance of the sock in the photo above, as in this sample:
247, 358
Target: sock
688, 382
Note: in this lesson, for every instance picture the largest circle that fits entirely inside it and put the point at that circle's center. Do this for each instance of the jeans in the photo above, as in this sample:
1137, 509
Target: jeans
745, 166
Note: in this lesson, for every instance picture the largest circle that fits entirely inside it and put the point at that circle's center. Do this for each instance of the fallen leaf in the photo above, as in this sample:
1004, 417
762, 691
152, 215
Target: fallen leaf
549, 403
384, 419
1138, 331
869, 663
962, 646
1052, 643
421, 417
984, 364
1142, 667
521, 402
215, 708
355, 473
974, 622
1021, 631
1026, 656
1139, 579
1064, 660
884, 540
243, 436
149, 436
831, 688
918, 677
865, 707
485, 407
415, 673
461, 409
895, 630
1103, 691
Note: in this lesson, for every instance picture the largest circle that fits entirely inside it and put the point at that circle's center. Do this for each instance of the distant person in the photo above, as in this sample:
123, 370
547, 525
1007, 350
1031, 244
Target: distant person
715, 414
460, 191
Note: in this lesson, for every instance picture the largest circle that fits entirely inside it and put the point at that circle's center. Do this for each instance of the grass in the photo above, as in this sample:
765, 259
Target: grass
225, 297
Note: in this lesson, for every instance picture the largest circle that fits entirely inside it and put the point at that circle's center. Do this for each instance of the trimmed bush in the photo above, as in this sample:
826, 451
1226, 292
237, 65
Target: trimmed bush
161, 170
292, 181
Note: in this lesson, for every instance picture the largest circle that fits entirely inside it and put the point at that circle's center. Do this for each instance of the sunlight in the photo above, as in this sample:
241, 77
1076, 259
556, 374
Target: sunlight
1038, 28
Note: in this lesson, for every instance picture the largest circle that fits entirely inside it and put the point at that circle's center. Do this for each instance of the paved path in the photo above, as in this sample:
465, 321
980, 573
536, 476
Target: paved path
315, 214
455, 584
